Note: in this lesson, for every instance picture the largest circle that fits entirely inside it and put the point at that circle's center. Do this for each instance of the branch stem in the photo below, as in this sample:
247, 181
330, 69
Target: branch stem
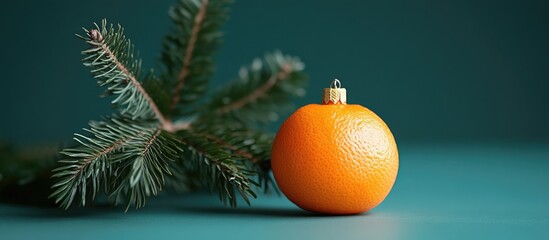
166, 124
96, 156
184, 72
150, 142
282, 74
233, 148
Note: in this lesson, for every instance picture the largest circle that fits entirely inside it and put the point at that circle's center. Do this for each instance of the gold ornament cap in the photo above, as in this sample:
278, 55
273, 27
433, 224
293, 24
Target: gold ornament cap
335, 94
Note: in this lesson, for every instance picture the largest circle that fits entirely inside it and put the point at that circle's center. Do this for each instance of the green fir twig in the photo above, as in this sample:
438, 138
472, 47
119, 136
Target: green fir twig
163, 134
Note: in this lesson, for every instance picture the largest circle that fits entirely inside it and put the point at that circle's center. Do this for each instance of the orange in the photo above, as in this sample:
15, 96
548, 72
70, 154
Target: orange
335, 158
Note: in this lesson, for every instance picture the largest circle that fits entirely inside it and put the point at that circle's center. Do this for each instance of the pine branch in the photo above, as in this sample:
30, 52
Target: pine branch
127, 159
261, 90
188, 50
182, 179
184, 72
219, 169
251, 145
139, 152
280, 75
112, 63
88, 162
144, 175
25, 172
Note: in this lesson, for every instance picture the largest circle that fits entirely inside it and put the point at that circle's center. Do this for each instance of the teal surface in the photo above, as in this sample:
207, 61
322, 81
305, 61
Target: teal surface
442, 192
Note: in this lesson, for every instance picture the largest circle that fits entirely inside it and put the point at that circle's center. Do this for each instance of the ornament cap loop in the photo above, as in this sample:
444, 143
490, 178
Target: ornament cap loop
335, 83
335, 94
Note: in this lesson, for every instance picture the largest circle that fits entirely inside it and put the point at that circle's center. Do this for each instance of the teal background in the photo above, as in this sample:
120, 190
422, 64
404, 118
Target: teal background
435, 71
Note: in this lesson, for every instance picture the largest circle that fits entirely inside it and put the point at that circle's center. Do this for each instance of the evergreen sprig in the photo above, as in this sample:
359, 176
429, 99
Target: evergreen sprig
25, 173
19, 167
218, 168
244, 143
261, 89
160, 136
187, 54
115, 66
128, 158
